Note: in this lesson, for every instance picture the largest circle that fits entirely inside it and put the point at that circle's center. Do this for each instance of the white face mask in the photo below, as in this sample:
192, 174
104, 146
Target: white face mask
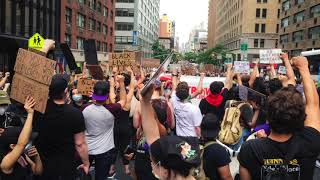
3, 109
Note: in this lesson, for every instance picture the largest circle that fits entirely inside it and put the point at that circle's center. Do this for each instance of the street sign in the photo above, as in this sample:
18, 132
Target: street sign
244, 47
36, 42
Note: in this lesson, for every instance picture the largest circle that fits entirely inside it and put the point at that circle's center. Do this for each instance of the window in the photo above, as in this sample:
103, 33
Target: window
263, 28
315, 11
99, 26
284, 39
92, 24
105, 29
105, 11
286, 5
296, 52
314, 33
256, 28
67, 39
111, 31
125, 12
258, 1
81, 20
277, 30
68, 15
264, 13
82, 2
261, 43
110, 47
125, 1
111, 15
92, 4
105, 47
285, 22
98, 45
257, 13
122, 26
80, 42
297, 36
265, 1
299, 1
99, 7
256, 43
278, 13
298, 17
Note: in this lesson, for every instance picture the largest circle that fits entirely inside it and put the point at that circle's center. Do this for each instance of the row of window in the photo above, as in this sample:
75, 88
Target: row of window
261, 13
262, 1
104, 11
100, 46
257, 28
124, 26
313, 34
125, 1
286, 4
300, 16
93, 25
256, 43
124, 39
124, 12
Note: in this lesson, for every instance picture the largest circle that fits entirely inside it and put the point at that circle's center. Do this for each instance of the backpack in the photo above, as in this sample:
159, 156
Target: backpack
198, 173
231, 130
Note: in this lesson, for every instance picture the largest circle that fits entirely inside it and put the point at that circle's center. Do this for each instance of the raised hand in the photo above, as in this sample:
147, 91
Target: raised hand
29, 104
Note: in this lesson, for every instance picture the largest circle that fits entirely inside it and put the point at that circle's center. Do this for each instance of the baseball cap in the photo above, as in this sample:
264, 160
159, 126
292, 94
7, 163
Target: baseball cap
4, 98
58, 84
101, 91
210, 126
176, 152
11, 135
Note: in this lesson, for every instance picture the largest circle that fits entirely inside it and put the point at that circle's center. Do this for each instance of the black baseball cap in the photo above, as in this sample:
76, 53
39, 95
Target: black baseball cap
58, 84
9, 136
101, 91
176, 152
210, 126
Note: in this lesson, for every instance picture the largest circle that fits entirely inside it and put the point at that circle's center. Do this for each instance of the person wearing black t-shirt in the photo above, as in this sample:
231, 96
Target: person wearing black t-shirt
214, 103
291, 149
215, 157
61, 134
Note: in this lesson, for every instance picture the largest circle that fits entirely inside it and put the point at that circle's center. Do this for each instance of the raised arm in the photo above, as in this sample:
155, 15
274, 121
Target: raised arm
123, 95
239, 80
290, 74
149, 122
200, 86
174, 79
112, 94
228, 83
4, 80
273, 73
131, 90
254, 74
142, 77
310, 91
12, 157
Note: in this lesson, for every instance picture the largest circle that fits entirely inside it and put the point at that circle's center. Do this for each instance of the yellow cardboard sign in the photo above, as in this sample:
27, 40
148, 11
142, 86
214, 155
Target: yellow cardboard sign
36, 42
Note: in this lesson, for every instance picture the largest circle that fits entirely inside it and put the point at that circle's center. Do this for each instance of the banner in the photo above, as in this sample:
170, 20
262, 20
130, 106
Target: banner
242, 67
270, 56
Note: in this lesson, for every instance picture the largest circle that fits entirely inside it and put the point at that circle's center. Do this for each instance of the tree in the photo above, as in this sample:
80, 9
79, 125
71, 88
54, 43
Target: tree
210, 56
190, 56
159, 52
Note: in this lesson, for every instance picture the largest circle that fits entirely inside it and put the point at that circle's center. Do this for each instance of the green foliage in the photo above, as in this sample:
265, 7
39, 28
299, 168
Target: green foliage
190, 56
159, 52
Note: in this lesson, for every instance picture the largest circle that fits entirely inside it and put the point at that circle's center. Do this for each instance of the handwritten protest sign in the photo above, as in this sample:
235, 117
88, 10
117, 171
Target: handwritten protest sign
22, 87
121, 59
282, 70
33, 74
85, 86
242, 67
243, 93
188, 69
95, 72
150, 63
34, 66
270, 56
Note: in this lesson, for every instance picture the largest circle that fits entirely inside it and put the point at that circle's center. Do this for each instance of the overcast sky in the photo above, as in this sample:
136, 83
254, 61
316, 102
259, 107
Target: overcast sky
186, 14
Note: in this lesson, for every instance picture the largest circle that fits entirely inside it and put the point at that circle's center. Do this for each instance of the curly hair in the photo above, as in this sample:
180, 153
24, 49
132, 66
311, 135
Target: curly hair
274, 85
286, 111
182, 91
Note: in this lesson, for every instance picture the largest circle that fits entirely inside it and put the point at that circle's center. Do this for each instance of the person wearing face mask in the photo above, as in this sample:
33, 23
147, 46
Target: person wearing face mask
7, 117
61, 134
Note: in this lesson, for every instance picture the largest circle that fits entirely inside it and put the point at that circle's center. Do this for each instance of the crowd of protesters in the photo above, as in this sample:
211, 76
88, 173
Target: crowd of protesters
272, 133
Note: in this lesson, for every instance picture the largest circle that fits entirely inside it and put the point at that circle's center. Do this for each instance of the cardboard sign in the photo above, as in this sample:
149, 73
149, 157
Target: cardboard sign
122, 59
282, 70
34, 66
69, 57
150, 63
95, 72
242, 67
188, 69
22, 87
270, 56
90, 52
207, 68
36, 42
85, 86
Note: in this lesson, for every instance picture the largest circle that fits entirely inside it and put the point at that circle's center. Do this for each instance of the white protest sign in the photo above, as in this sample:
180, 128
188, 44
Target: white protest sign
270, 56
242, 67
282, 70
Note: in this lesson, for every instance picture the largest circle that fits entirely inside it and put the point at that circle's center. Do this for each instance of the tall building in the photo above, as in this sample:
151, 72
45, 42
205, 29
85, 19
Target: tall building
167, 27
19, 20
299, 25
88, 19
212, 23
136, 25
253, 22
197, 39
